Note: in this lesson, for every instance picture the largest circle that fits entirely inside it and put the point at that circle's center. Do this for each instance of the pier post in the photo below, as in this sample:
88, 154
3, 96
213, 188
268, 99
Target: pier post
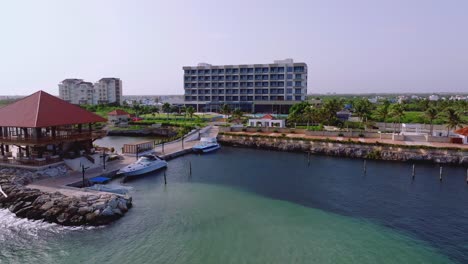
414, 171
165, 182
440, 174
163, 147
365, 167
182, 142
308, 159
190, 168
467, 176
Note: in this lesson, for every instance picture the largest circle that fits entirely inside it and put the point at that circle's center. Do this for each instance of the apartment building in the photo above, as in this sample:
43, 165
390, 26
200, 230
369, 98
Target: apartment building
270, 88
108, 90
105, 91
76, 91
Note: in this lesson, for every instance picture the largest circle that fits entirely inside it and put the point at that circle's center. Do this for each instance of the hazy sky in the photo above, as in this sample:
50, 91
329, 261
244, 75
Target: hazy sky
349, 45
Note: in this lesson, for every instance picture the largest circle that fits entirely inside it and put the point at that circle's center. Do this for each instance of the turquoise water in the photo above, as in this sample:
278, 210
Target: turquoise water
240, 206
201, 223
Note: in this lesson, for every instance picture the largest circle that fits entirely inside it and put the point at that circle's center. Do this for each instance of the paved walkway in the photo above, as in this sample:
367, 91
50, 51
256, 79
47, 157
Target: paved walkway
367, 140
171, 148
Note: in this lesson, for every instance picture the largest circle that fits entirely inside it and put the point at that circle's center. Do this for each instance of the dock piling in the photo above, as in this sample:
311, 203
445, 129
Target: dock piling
414, 170
165, 181
440, 174
365, 167
190, 168
467, 176
308, 159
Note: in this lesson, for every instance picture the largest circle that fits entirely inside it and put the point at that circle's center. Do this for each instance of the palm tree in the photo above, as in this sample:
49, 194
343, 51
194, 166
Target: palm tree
453, 119
225, 110
166, 109
431, 113
190, 110
330, 108
397, 111
311, 114
362, 108
383, 111
237, 114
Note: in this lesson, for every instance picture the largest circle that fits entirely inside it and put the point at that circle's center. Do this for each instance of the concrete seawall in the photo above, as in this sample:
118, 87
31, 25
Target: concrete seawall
349, 149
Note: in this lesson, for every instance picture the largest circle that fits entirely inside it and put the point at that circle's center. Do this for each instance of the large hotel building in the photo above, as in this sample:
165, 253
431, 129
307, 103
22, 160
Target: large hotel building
269, 88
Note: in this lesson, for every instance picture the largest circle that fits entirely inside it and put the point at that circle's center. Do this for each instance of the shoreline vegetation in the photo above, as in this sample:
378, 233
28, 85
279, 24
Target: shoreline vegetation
348, 148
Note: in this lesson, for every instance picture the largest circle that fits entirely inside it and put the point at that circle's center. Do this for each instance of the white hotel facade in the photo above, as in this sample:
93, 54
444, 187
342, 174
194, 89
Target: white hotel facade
272, 88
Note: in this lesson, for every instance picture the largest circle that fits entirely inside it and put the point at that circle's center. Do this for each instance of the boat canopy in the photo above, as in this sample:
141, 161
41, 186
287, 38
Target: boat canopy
208, 140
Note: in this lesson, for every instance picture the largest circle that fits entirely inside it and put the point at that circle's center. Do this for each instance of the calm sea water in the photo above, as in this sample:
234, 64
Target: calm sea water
253, 206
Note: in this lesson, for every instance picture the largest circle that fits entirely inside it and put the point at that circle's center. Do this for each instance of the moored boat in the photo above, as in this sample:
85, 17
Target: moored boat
145, 164
207, 144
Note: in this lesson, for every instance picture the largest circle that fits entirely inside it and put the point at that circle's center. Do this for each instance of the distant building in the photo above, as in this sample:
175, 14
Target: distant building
105, 91
76, 91
254, 88
118, 117
434, 97
267, 121
343, 115
108, 90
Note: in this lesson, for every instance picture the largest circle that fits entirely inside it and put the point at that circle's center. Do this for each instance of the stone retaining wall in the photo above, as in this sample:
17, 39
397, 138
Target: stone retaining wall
91, 209
349, 149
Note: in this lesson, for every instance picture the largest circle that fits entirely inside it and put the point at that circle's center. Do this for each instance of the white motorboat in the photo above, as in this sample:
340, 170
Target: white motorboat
207, 144
145, 164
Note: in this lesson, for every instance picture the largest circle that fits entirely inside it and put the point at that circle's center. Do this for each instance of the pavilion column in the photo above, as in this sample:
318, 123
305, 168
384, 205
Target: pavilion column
54, 132
90, 127
1, 131
28, 153
25, 132
80, 128
20, 152
2, 148
38, 132
54, 149
7, 148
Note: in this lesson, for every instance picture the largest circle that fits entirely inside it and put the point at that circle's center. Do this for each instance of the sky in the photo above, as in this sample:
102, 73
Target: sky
358, 46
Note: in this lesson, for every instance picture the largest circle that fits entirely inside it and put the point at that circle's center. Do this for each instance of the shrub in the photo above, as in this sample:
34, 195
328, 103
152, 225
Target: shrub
244, 129
259, 130
283, 135
340, 134
275, 130
361, 135
292, 131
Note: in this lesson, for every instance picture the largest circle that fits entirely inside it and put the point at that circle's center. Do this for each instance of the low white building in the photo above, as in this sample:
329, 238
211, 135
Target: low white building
118, 118
434, 97
267, 121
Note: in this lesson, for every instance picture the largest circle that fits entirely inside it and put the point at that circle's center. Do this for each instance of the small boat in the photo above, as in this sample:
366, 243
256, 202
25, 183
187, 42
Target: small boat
207, 144
145, 164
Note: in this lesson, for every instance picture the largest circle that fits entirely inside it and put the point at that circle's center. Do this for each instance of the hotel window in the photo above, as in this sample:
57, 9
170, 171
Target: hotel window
228, 71
297, 98
289, 97
250, 70
214, 71
289, 76
289, 69
289, 91
220, 71
298, 76
297, 83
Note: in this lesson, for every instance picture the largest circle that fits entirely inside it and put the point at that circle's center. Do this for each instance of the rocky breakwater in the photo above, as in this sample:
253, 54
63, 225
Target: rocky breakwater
349, 149
93, 209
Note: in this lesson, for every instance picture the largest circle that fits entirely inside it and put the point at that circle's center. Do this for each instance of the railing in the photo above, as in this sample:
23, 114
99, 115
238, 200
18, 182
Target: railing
50, 139
30, 162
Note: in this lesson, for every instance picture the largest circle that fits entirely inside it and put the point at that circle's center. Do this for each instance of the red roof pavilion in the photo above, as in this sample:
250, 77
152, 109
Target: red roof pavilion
268, 116
44, 110
118, 112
